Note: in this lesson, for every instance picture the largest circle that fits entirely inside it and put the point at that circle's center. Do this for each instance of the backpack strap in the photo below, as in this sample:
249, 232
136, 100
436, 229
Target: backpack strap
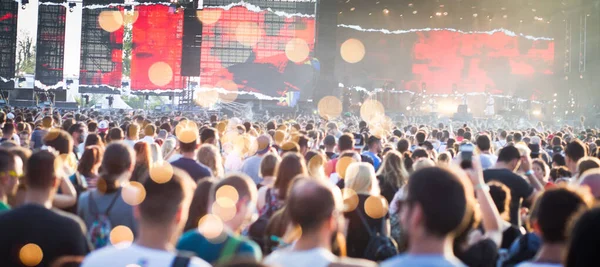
229, 250
364, 222
112, 202
94, 208
181, 260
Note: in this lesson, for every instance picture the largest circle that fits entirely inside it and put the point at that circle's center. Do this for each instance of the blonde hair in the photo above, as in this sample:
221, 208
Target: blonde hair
133, 131
156, 152
316, 166
209, 156
168, 147
360, 177
423, 163
392, 169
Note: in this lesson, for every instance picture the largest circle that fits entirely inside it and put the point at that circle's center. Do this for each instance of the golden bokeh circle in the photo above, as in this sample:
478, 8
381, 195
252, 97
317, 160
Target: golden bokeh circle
210, 226
248, 33
376, 207
330, 106
353, 51
371, 110
342, 165
350, 198
227, 191
133, 193
186, 131
161, 172
130, 17
110, 20
31, 254
160, 74
232, 90
224, 208
206, 98
297, 50
209, 16
120, 234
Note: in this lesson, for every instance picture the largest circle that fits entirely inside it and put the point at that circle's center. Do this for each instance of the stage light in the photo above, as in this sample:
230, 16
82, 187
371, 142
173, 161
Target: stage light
408, 108
439, 14
370, 14
415, 12
386, 11
536, 112
352, 9
445, 13
72, 7
410, 4
504, 16
475, 15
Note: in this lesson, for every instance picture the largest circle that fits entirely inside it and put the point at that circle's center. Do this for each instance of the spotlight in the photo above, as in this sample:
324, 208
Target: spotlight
439, 14
386, 11
72, 7
408, 108
445, 13
475, 15
415, 12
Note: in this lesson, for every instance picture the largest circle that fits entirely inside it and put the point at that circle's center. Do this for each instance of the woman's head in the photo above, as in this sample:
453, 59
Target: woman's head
117, 161
269, 164
168, 147
209, 155
93, 140
155, 152
393, 170
292, 164
444, 158
142, 153
584, 243
586, 164
90, 161
199, 205
360, 177
316, 164
541, 169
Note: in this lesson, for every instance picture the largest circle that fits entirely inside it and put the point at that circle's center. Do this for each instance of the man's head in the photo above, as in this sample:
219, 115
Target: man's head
236, 189
403, 145
420, 136
209, 135
510, 156
314, 207
329, 142
166, 204
346, 142
503, 135
41, 172
518, 137
150, 130
437, 204
8, 130
60, 140
11, 167
484, 143
47, 122
133, 131
555, 208
79, 132
574, 151
374, 144
115, 134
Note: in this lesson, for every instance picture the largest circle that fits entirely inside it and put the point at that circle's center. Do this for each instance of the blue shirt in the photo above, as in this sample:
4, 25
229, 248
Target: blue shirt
196, 170
36, 137
375, 158
431, 260
194, 242
251, 167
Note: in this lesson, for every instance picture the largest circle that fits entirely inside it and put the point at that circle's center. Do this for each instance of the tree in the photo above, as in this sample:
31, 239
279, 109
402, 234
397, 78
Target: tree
127, 48
25, 53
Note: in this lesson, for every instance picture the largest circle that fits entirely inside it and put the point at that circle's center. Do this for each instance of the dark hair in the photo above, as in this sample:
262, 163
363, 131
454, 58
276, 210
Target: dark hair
468, 136
556, 208
7, 161
59, 140
559, 159
508, 154
163, 200
8, 128
91, 156
575, 150
584, 243
500, 193
403, 145
93, 139
302, 141
559, 172
92, 126
40, 170
143, 158
443, 199
244, 186
268, 164
484, 142
117, 159
115, 134
200, 202
420, 153
518, 137
310, 203
346, 142
292, 164
208, 135
586, 164
420, 136
329, 140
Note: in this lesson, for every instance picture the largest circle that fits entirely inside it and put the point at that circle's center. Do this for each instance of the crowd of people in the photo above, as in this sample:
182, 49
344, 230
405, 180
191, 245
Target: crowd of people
92, 188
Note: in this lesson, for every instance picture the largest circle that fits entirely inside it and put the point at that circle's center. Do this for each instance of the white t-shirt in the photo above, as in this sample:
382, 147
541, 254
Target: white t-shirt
539, 264
121, 255
318, 257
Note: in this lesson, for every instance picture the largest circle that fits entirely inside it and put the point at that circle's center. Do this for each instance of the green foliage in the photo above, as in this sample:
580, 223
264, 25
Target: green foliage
25, 54
134, 101
127, 47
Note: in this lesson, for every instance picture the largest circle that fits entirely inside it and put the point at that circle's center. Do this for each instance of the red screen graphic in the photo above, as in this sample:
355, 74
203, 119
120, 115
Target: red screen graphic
249, 48
440, 60
156, 51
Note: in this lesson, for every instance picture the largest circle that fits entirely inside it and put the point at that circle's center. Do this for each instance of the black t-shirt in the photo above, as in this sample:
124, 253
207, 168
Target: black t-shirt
358, 236
519, 190
509, 236
481, 254
387, 190
331, 155
56, 232
196, 170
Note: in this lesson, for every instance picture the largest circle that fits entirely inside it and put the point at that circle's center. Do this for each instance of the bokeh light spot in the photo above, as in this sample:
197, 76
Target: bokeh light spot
186, 131
130, 17
133, 193
224, 208
161, 172
342, 165
206, 99
160, 74
231, 88
229, 192
110, 21
376, 207
330, 107
248, 33
211, 227
297, 50
31, 254
350, 199
372, 110
209, 16
353, 51
121, 234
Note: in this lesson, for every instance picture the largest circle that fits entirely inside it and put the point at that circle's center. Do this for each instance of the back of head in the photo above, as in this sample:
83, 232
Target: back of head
8, 129
133, 131
41, 173
403, 145
115, 134
587, 164
150, 130
209, 155
420, 136
164, 200
360, 177
575, 150
59, 140
142, 153
310, 204
243, 185
268, 164
484, 142
208, 135
47, 122
117, 159
508, 154
7, 161
92, 155
346, 142
555, 209
329, 141
291, 165
442, 197
584, 243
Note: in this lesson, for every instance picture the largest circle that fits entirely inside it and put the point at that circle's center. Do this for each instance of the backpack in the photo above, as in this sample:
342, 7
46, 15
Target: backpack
258, 229
379, 247
99, 232
229, 250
